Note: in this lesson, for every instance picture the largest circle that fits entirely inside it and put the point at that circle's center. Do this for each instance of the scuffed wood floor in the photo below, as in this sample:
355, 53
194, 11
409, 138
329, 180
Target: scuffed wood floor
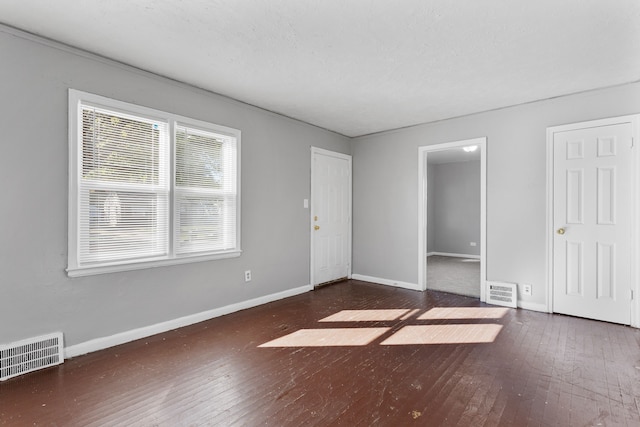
302, 361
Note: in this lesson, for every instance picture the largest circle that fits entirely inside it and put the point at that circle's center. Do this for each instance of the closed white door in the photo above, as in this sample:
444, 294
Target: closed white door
592, 222
330, 216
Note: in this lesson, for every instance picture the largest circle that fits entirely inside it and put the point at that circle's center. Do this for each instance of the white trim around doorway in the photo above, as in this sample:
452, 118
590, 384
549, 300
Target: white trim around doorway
422, 208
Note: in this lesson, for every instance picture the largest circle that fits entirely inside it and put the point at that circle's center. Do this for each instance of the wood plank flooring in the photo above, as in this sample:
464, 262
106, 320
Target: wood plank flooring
510, 368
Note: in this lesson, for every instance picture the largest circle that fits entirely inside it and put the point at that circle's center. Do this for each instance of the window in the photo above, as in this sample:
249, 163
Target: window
148, 188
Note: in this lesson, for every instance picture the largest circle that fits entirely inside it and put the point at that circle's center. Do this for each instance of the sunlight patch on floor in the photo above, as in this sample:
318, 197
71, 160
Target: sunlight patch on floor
444, 334
409, 314
329, 337
464, 313
365, 315
470, 333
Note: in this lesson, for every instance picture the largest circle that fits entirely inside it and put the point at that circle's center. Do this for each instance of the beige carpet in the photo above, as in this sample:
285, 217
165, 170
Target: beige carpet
454, 275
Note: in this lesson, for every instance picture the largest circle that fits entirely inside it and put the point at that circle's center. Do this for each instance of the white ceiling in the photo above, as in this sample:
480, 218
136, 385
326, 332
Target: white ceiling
358, 66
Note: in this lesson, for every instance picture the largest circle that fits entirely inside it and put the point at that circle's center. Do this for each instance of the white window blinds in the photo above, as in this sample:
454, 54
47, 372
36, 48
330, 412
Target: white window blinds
124, 187
205, 192
148, 188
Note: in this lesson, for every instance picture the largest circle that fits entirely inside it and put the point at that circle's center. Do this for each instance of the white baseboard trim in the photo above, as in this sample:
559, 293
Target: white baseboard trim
147, 331
453, 255
533, 306
387, 282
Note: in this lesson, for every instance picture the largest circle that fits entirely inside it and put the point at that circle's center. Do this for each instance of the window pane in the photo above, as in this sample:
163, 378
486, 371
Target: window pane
122, 225
205, 198
116, 147
204, 223
199, 160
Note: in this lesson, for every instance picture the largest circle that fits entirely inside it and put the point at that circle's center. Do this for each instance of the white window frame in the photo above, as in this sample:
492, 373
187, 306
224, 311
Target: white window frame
74, 268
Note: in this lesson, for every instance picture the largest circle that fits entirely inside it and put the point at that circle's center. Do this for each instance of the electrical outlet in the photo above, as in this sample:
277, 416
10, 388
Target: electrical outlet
247, 276
472, 243
526, 289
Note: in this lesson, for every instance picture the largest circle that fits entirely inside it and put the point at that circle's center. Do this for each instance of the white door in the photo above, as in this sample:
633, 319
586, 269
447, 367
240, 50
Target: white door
330, 216
592, 222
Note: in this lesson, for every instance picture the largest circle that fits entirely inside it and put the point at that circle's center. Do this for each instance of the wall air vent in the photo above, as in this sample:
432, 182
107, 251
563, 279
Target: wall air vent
504, 294
30, 355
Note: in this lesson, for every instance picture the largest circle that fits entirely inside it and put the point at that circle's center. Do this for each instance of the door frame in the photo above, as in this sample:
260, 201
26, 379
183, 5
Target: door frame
423, 151
634, 120
348, 158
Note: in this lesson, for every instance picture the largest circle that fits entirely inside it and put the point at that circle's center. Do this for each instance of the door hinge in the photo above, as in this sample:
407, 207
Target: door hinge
631, 294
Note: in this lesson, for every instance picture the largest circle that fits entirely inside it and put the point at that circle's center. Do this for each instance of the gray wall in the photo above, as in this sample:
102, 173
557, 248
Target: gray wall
37, 297
453, 207
386, 168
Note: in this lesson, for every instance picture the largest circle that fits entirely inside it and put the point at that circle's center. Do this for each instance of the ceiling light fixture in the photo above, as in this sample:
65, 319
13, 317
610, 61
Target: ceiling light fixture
470, 149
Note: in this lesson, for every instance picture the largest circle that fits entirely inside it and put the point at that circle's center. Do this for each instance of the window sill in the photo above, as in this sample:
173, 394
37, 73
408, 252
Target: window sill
113, 268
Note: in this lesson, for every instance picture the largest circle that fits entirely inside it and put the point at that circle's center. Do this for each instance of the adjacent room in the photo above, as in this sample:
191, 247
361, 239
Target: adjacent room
270, 213
453, 220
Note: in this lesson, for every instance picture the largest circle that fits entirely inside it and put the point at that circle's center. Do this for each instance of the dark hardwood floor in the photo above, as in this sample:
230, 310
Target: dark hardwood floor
396, 358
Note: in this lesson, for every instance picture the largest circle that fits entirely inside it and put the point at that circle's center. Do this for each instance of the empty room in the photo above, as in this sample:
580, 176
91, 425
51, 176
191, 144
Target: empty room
337, 213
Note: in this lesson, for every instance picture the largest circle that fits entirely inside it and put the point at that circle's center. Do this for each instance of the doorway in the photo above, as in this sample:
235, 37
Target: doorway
452, 251
330, 216
592, 217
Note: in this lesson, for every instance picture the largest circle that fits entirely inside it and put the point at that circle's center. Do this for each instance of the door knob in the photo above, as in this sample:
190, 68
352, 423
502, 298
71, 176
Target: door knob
560, 231
317, 227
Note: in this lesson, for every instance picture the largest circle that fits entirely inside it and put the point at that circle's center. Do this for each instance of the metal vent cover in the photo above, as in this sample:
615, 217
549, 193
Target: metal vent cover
30, 355
504, 294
